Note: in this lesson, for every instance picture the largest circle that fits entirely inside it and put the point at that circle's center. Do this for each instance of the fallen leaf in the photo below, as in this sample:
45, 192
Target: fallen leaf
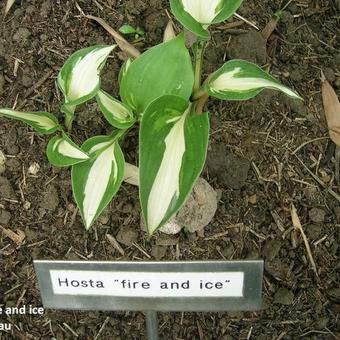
9, 5
332, 110
169, 32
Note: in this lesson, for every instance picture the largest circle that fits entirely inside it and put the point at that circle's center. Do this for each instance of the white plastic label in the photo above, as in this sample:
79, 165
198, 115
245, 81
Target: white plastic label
147, 284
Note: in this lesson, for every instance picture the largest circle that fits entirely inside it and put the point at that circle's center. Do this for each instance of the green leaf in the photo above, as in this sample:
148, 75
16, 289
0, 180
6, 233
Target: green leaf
164, 69
173, 145
79, 77
97, 180
116, 113
61, 151
242, 80
197, 15
127, 29
43, 122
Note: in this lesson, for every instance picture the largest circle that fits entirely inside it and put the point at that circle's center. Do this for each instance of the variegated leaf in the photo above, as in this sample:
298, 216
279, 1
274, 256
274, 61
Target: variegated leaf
173, 145
79, 77
42, 122
123, 69
197, 15
242, 80
164, 69
98, 179
61, 151
116, 113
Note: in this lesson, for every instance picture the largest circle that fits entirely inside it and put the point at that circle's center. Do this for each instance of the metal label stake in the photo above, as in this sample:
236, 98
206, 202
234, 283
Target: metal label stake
204, 286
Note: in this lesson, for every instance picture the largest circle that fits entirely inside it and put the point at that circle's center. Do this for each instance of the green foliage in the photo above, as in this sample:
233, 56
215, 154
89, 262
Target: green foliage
161, 90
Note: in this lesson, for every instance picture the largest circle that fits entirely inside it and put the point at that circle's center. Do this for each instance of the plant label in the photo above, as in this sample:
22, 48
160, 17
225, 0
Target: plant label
161, 286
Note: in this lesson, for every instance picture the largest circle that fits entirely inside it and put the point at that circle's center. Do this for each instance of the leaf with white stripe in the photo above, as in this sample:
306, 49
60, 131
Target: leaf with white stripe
197, 15
79, 78
123, 70
242, 80
173, 145
98, 179
163, 69
61, 151
42, 122
116, 113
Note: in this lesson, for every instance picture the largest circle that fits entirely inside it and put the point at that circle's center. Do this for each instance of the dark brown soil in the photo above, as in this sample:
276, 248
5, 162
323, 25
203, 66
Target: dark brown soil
252, 165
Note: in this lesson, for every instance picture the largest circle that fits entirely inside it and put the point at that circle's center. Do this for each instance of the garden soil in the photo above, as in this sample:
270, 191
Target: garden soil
264, 155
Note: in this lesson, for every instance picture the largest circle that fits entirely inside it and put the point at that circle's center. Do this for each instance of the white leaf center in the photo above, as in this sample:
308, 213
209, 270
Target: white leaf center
97, 183
203, 11
228, 82
85, 73
68, 150
42, 121
166, 183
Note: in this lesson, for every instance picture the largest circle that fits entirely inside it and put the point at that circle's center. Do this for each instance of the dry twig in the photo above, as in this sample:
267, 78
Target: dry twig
123, 44
297, 225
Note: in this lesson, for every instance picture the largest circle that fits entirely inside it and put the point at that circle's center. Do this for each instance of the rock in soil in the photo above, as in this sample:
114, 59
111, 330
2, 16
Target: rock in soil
6, 190
5, 216
50, 200
200, 207
250, 46
271, 249
127, 236
284, 296
2, 162
229, 169
317, 215
196, 213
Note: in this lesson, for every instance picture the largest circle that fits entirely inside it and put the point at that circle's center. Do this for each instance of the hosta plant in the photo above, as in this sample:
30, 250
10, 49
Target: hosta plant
162, 92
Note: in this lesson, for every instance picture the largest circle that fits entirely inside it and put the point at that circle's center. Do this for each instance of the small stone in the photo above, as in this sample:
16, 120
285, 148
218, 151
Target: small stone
329, 74
127, 236
314, 231
27, 205
158, 252
6, 190
22, 34
33, 169
284, 296
171, 228
200, 207
5, 216
50, 199
271, 249
317, 215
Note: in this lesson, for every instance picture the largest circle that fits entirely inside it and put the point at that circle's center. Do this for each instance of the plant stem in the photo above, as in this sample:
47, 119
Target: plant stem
68, 121
198, 50
68, 110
